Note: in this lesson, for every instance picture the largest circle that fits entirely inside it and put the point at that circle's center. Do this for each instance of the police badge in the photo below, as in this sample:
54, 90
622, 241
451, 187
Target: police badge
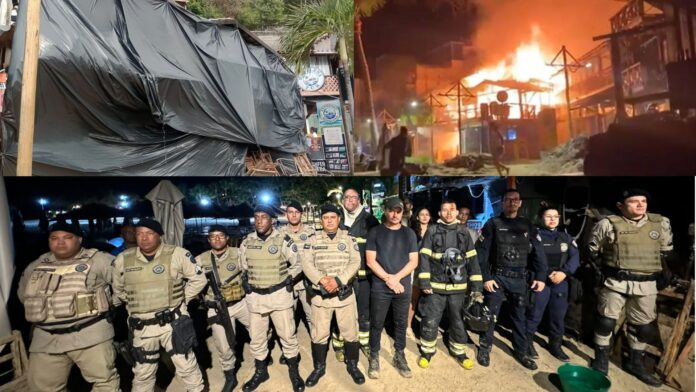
272, 249
654, 234
158, 269
303, 237
81, 267
564, 247
341, 246
231, 266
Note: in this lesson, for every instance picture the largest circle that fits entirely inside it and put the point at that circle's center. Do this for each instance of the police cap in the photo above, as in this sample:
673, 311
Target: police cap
267, 209
296, 205
151, 224
63, 226
219, 228
326, 208
630, 192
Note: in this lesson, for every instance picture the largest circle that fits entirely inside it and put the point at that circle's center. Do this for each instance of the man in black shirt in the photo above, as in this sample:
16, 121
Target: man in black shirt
392, 253
511, 255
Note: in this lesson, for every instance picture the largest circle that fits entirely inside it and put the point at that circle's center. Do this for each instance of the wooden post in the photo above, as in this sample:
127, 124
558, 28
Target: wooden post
25, 147
672, 350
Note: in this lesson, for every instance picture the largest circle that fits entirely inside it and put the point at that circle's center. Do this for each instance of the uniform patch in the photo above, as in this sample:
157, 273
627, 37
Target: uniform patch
81, 267
199, 270
538, 237
190, 256
133, 269
575, 244
231, 266
158, 269
654, 234
307, 246
272, 249
564, 247
254, 247
341, 246
294, 248
356, 247
303, 237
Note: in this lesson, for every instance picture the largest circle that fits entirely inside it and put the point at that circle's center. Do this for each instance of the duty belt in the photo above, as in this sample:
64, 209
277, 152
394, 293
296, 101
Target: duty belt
510, 273
75, 328
342, 293
297, 279
162, 318
620, 274
269, 290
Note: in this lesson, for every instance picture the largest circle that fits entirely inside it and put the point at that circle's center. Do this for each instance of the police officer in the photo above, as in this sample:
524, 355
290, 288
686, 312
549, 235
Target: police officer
230, 273
300, 234
563, 259
149, 279
448, 270
66, 297
330, 263
629, 248
509, 250
270, 261
358, 222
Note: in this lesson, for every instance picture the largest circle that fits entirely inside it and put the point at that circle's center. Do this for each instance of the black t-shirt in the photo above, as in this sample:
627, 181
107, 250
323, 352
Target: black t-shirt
392, 247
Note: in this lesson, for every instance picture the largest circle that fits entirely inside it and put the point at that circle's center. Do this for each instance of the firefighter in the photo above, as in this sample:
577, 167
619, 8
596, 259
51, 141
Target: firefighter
510, 254
564, 259
270, 262
66, 297
330, 262
230, 272
448, 270
630, 249
149, 279
357, 221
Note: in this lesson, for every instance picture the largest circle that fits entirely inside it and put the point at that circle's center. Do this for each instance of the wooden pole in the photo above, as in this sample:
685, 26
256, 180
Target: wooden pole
25, 147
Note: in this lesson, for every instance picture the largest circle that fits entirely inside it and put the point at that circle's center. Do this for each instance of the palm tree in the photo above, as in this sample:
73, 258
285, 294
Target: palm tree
364, 9
313, 20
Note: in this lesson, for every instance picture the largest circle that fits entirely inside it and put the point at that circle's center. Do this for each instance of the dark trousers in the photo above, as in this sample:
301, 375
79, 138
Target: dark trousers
380, 303
515, 291
432, 307
554, 299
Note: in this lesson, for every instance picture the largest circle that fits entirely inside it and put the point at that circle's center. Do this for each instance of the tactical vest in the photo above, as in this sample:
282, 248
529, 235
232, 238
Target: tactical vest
635, 248
150, 287
57, 291
440, 243
265, 261
230, 274
331, 256
300, 237
512, 242
556, 250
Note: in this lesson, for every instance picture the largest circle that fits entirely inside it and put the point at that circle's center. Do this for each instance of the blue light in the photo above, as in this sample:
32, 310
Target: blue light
43, 202
511, 134
265, 197
123, 197
205, 202
124, 204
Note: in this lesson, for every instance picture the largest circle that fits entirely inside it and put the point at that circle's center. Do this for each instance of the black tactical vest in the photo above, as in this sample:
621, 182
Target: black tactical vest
556, 250
512, 242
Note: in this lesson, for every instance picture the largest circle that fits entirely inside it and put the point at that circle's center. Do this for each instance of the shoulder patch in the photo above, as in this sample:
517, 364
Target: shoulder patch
356, 246
575, 244
191, 258
287, 238
294, 248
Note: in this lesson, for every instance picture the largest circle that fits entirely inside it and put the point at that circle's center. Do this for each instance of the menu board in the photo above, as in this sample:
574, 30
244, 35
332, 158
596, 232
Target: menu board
327, 145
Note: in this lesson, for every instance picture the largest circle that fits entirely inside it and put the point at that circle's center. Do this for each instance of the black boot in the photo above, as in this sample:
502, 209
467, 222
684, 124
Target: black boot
483, 356
294, 372
525, 360
637, 368
600, 362
352, 354
555, 348
319, 358
260, 375
230, 380
530, 344
282, 360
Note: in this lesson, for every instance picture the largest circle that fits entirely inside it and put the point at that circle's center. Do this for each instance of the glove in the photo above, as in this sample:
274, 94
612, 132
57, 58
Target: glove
288, 284
477, 297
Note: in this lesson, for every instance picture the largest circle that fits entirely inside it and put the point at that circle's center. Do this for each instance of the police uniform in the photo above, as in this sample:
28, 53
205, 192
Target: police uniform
505, 247
230, 273
67, 302
562, 255
338, 257
301, 238
630, 255
156, 296
448, 265
358, 229
270, 265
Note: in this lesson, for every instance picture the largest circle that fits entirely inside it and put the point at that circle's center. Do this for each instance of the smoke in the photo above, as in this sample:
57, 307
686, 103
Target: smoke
505, 24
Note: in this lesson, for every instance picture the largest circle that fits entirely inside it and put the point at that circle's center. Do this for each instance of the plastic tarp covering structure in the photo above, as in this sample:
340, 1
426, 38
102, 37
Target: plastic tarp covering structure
144, 87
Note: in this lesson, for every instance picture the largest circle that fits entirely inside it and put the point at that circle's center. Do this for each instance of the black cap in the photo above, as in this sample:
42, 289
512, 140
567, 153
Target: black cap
219, 228
634, 192
391, 203
296, 205
151, 224
268, 209
63, 226
326, 208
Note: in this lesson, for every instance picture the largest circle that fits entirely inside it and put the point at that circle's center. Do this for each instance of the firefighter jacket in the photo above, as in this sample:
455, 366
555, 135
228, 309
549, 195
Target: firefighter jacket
358, 230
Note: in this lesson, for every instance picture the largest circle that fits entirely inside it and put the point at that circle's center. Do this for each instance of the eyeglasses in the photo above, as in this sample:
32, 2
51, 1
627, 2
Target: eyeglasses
217, 236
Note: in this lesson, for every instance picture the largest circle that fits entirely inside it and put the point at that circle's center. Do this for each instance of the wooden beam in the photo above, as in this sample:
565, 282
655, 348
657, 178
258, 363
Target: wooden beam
668, 358
25, 147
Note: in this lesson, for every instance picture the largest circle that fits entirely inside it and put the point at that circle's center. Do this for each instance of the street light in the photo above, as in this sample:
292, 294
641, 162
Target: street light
204, 202
414, 104
265, 197
123, 197
43, 203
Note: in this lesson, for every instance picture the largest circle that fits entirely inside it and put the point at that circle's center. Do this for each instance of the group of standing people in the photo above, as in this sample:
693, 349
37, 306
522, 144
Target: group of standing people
354, 270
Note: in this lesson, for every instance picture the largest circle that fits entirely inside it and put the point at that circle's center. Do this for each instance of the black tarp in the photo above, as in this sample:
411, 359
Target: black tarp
144, 87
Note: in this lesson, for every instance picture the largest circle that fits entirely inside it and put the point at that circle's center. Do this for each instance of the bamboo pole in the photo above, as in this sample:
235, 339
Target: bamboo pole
25, 148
